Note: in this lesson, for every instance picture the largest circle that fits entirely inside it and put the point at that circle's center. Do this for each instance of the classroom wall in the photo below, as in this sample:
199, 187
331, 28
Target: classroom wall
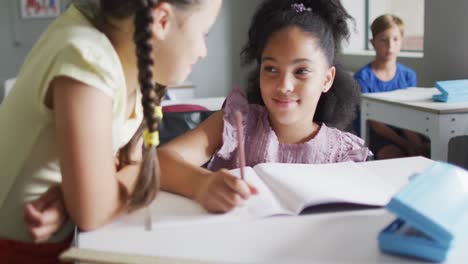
222, 69
446, 41
213, 76
445, 55
17, 37
12, 53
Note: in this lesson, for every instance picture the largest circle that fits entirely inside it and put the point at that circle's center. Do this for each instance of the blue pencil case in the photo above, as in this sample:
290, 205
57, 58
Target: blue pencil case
452, 91
432, 211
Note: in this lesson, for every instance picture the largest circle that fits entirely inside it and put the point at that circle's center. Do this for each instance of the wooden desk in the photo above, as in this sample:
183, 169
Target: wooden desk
413, 109
334, 237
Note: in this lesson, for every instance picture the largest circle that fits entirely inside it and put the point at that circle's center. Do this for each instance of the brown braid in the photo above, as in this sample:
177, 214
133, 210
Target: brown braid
147, 184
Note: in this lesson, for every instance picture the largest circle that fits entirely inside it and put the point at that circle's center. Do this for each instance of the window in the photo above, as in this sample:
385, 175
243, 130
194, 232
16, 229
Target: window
365, 11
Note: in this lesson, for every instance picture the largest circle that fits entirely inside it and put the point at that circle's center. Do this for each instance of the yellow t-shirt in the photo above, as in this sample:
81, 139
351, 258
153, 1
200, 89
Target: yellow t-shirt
29, 163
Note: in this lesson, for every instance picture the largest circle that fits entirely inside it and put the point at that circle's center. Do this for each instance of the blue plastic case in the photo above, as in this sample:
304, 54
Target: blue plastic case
432, 213
400, 238
452, 91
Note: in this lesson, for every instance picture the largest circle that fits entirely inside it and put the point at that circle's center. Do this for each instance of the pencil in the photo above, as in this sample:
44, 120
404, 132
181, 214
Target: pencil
240, 143
148, 221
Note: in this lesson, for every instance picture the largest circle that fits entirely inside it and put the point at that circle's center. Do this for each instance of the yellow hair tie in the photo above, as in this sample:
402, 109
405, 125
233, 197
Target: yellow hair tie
158, 112
151, 139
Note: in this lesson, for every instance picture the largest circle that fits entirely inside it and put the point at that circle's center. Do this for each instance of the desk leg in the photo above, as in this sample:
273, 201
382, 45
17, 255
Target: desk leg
439, 148
447, 127
364, 122
440, 136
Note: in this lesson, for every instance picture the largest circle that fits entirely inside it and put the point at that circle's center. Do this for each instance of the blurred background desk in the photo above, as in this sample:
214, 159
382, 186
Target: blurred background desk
413, 109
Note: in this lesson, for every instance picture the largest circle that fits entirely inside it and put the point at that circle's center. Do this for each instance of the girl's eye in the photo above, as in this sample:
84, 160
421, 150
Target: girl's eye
270, 69
302, 71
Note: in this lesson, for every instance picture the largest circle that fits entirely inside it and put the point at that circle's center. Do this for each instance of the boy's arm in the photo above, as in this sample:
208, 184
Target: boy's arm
418, 146
413, 137
389, 134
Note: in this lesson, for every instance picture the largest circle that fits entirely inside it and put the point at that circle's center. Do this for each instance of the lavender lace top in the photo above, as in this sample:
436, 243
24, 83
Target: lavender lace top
330, 145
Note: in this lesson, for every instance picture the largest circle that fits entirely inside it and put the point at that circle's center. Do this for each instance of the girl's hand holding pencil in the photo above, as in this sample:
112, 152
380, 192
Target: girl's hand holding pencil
223, 192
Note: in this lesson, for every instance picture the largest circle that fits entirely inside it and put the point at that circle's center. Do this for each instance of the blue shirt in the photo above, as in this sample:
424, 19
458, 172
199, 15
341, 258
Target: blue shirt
370, 83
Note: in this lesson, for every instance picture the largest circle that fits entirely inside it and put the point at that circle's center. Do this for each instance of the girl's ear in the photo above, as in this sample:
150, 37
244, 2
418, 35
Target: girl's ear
163, 15
329, 79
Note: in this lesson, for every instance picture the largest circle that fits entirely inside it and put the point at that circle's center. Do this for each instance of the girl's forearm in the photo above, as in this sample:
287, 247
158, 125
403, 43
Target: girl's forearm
98, 207
179, 176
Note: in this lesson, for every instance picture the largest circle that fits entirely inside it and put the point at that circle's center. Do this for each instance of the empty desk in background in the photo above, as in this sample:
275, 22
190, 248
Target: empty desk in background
184, 91
413, 109
210, 103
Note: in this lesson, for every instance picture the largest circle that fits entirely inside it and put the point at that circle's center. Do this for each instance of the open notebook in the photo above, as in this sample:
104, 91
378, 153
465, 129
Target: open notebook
283, 189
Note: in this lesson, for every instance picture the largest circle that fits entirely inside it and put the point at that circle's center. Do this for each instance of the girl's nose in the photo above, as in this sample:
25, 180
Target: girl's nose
286, 84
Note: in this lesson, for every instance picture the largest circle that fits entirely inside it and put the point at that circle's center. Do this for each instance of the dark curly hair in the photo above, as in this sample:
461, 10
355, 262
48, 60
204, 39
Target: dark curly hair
147, 184
326, 21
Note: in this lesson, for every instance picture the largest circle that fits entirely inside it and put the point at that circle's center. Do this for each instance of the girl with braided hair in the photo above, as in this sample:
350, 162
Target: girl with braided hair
75, 107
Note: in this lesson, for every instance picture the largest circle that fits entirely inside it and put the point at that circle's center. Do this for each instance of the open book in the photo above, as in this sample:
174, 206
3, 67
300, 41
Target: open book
283, 189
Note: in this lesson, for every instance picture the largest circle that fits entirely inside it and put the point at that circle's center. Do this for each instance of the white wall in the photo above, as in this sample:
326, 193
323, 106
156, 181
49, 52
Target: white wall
357, 41
221, 69
242, 12
212, 75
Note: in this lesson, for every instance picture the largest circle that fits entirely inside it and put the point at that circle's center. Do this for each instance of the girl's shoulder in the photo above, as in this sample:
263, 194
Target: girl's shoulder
345, 146
74, 36
96, 65
83, 53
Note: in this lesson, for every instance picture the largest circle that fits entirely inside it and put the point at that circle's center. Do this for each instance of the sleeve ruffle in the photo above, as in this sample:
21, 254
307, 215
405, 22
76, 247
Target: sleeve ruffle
236, 101
352, 148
